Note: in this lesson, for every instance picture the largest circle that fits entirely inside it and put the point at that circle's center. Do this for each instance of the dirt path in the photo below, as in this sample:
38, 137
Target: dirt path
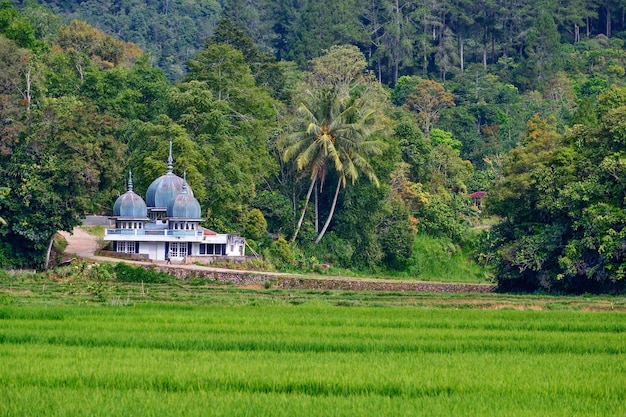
80, 243
84, 245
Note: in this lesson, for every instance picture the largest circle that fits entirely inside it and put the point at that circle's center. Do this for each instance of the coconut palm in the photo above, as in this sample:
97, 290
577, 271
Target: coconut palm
336, 133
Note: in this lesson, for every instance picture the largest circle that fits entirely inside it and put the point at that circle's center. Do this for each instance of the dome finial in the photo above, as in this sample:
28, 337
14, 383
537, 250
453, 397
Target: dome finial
170, 161
130, 180
184, 190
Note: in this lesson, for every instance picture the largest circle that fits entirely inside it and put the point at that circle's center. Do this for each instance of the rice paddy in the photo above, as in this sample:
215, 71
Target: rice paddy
308, 359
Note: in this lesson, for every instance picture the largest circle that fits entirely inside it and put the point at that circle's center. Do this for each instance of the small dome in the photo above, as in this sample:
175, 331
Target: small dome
184, 206
130, 204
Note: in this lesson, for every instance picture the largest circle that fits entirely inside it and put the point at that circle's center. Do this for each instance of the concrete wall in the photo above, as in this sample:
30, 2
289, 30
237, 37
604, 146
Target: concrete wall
209, 259
93, 220
121, 255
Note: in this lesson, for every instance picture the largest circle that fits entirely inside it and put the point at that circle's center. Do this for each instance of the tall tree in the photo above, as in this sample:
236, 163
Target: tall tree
337, 135
427, 100
61, 169
336, 129
220, 93
544, 48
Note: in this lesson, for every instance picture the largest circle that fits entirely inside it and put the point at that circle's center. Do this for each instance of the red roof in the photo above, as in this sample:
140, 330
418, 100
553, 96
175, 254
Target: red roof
207, 232
477, 194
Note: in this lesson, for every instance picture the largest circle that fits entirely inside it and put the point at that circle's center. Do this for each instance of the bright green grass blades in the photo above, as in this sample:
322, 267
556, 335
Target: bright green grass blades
310, 361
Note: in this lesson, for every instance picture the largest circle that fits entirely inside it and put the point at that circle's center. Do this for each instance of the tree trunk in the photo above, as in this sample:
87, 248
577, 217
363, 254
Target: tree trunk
317, 213
26, 93
332, 211
608, 19
49, 250
485, 52
306, 203
461, 53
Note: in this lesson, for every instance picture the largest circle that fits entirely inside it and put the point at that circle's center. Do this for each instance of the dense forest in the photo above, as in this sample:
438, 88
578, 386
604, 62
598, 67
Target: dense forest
351, 133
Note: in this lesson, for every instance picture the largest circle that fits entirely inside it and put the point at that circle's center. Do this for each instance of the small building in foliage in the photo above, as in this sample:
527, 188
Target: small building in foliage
167, 224
477, 198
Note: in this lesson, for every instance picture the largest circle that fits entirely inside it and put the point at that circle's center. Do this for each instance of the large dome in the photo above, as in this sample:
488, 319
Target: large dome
164, 189
184, 206
130, 204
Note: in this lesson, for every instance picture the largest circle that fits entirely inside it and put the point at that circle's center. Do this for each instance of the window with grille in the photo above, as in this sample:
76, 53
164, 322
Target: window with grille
126, 247
178, 249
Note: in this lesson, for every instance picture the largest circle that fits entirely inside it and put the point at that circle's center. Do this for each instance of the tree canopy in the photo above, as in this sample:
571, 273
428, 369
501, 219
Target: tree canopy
354, 128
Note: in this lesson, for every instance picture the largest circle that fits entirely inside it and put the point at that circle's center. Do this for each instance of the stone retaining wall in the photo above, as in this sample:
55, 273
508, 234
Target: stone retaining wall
259, 278
234, 277
209, 259
361, 285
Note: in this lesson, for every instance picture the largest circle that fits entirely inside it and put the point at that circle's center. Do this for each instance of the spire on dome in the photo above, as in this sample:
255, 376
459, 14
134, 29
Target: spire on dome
165, 188
130, 180
129, 204
170, 160
184, 190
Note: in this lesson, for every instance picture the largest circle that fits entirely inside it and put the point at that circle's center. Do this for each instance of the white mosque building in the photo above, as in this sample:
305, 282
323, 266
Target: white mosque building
167, 224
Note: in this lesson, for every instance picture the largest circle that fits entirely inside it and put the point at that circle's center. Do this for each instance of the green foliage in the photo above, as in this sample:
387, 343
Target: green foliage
441, 137
126, 273
57, 170
436, 257
169, 31
441, 218
282, 251
563, 202
79, 106
255, 226
543, 49
405, 86
15, 27
266, 71
333, 250
229, 119
276, 210
396, 233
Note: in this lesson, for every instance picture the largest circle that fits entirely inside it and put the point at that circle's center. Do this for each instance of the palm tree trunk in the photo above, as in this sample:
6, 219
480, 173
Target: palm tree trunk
48, 252
332, 211
306, 203
317, 214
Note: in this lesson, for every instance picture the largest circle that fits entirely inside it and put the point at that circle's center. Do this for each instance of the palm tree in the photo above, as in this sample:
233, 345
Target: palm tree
336, 134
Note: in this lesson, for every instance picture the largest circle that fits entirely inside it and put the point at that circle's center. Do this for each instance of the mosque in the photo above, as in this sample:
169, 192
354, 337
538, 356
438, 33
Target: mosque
167, 224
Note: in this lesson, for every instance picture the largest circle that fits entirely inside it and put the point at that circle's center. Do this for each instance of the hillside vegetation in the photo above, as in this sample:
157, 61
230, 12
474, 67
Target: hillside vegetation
330, 133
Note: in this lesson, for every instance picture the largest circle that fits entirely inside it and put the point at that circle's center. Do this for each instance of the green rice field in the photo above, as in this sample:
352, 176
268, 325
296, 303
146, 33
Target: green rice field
308, 359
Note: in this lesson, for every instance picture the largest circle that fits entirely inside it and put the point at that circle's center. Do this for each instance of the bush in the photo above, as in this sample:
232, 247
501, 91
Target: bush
127, 273
281, 251
440, 259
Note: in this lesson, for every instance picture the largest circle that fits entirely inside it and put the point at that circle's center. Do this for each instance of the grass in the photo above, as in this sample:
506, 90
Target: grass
315, 360
77, 341
95, 230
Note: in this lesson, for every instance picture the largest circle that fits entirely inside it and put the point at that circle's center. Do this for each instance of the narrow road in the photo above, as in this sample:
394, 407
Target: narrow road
84, 245
80, 243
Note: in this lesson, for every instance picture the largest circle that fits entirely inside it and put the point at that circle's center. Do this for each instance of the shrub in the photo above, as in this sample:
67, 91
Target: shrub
127, 273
